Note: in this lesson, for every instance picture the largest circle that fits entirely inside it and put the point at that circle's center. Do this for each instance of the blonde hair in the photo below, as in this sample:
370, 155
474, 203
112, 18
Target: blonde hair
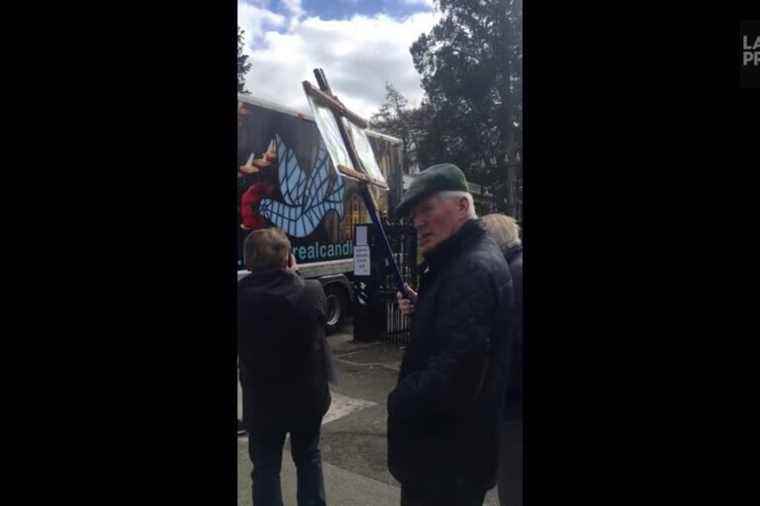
266, 248
503, 229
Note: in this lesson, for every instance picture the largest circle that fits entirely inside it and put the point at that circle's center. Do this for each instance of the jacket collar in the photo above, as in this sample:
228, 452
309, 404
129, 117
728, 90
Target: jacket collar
276, 281
471, 230
512, 252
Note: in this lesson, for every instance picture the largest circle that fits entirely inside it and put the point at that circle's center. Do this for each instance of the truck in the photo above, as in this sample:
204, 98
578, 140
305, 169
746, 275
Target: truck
286, 179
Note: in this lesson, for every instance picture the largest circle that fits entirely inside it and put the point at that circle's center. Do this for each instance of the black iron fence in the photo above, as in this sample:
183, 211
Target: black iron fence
377, 315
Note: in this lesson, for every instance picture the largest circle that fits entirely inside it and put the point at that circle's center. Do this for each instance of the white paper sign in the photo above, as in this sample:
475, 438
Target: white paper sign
361, 261
361, 236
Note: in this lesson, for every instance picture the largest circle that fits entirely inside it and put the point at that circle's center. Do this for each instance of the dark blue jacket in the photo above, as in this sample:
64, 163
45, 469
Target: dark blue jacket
444, 414
281, 340
513, 401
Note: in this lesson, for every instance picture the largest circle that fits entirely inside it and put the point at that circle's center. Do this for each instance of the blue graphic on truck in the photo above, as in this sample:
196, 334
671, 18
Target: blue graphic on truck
307, 198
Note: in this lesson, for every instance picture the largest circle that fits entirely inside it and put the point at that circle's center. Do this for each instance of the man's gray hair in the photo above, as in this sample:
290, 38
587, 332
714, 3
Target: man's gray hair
472, 214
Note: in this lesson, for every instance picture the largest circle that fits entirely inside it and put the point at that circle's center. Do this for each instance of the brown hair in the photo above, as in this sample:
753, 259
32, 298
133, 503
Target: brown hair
266, 248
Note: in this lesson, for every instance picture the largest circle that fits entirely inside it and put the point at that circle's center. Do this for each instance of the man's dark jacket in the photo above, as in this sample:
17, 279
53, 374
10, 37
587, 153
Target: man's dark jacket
281, 340
513, 402
444, 414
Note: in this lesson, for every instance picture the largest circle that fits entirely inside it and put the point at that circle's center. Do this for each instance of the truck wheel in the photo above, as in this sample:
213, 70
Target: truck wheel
337, 307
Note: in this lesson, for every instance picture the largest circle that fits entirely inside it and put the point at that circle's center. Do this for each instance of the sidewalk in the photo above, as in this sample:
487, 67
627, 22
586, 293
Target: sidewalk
354, 432
359, 353
342, 487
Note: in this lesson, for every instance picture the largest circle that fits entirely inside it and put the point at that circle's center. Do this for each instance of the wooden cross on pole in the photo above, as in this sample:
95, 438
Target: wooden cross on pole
339, 110
325, 97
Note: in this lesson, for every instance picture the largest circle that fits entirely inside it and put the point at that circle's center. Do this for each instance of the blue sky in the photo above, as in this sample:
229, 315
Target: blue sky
361, 44
343, 9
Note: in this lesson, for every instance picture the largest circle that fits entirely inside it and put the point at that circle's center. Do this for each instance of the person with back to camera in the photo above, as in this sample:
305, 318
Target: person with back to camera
283, 368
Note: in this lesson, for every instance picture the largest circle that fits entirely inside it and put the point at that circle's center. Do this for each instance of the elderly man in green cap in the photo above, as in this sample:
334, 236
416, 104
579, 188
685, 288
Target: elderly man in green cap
444, 414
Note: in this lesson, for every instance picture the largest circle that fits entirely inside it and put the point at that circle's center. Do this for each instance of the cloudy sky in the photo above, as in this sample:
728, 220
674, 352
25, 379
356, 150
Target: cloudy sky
360, 44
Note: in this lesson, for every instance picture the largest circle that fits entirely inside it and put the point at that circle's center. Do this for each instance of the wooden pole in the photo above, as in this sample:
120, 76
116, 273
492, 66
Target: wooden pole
334, 105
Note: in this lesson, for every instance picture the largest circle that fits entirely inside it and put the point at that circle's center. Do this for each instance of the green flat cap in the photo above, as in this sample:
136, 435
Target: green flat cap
436, 178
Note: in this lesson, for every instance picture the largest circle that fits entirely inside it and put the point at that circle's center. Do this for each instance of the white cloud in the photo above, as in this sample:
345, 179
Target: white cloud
255, 20
358, 56
294, 7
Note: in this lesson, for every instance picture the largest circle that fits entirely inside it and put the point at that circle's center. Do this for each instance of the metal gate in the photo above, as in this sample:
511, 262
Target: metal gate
378, 315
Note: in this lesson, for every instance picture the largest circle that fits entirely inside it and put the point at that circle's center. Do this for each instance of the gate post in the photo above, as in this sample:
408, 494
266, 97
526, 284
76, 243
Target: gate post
377, 316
